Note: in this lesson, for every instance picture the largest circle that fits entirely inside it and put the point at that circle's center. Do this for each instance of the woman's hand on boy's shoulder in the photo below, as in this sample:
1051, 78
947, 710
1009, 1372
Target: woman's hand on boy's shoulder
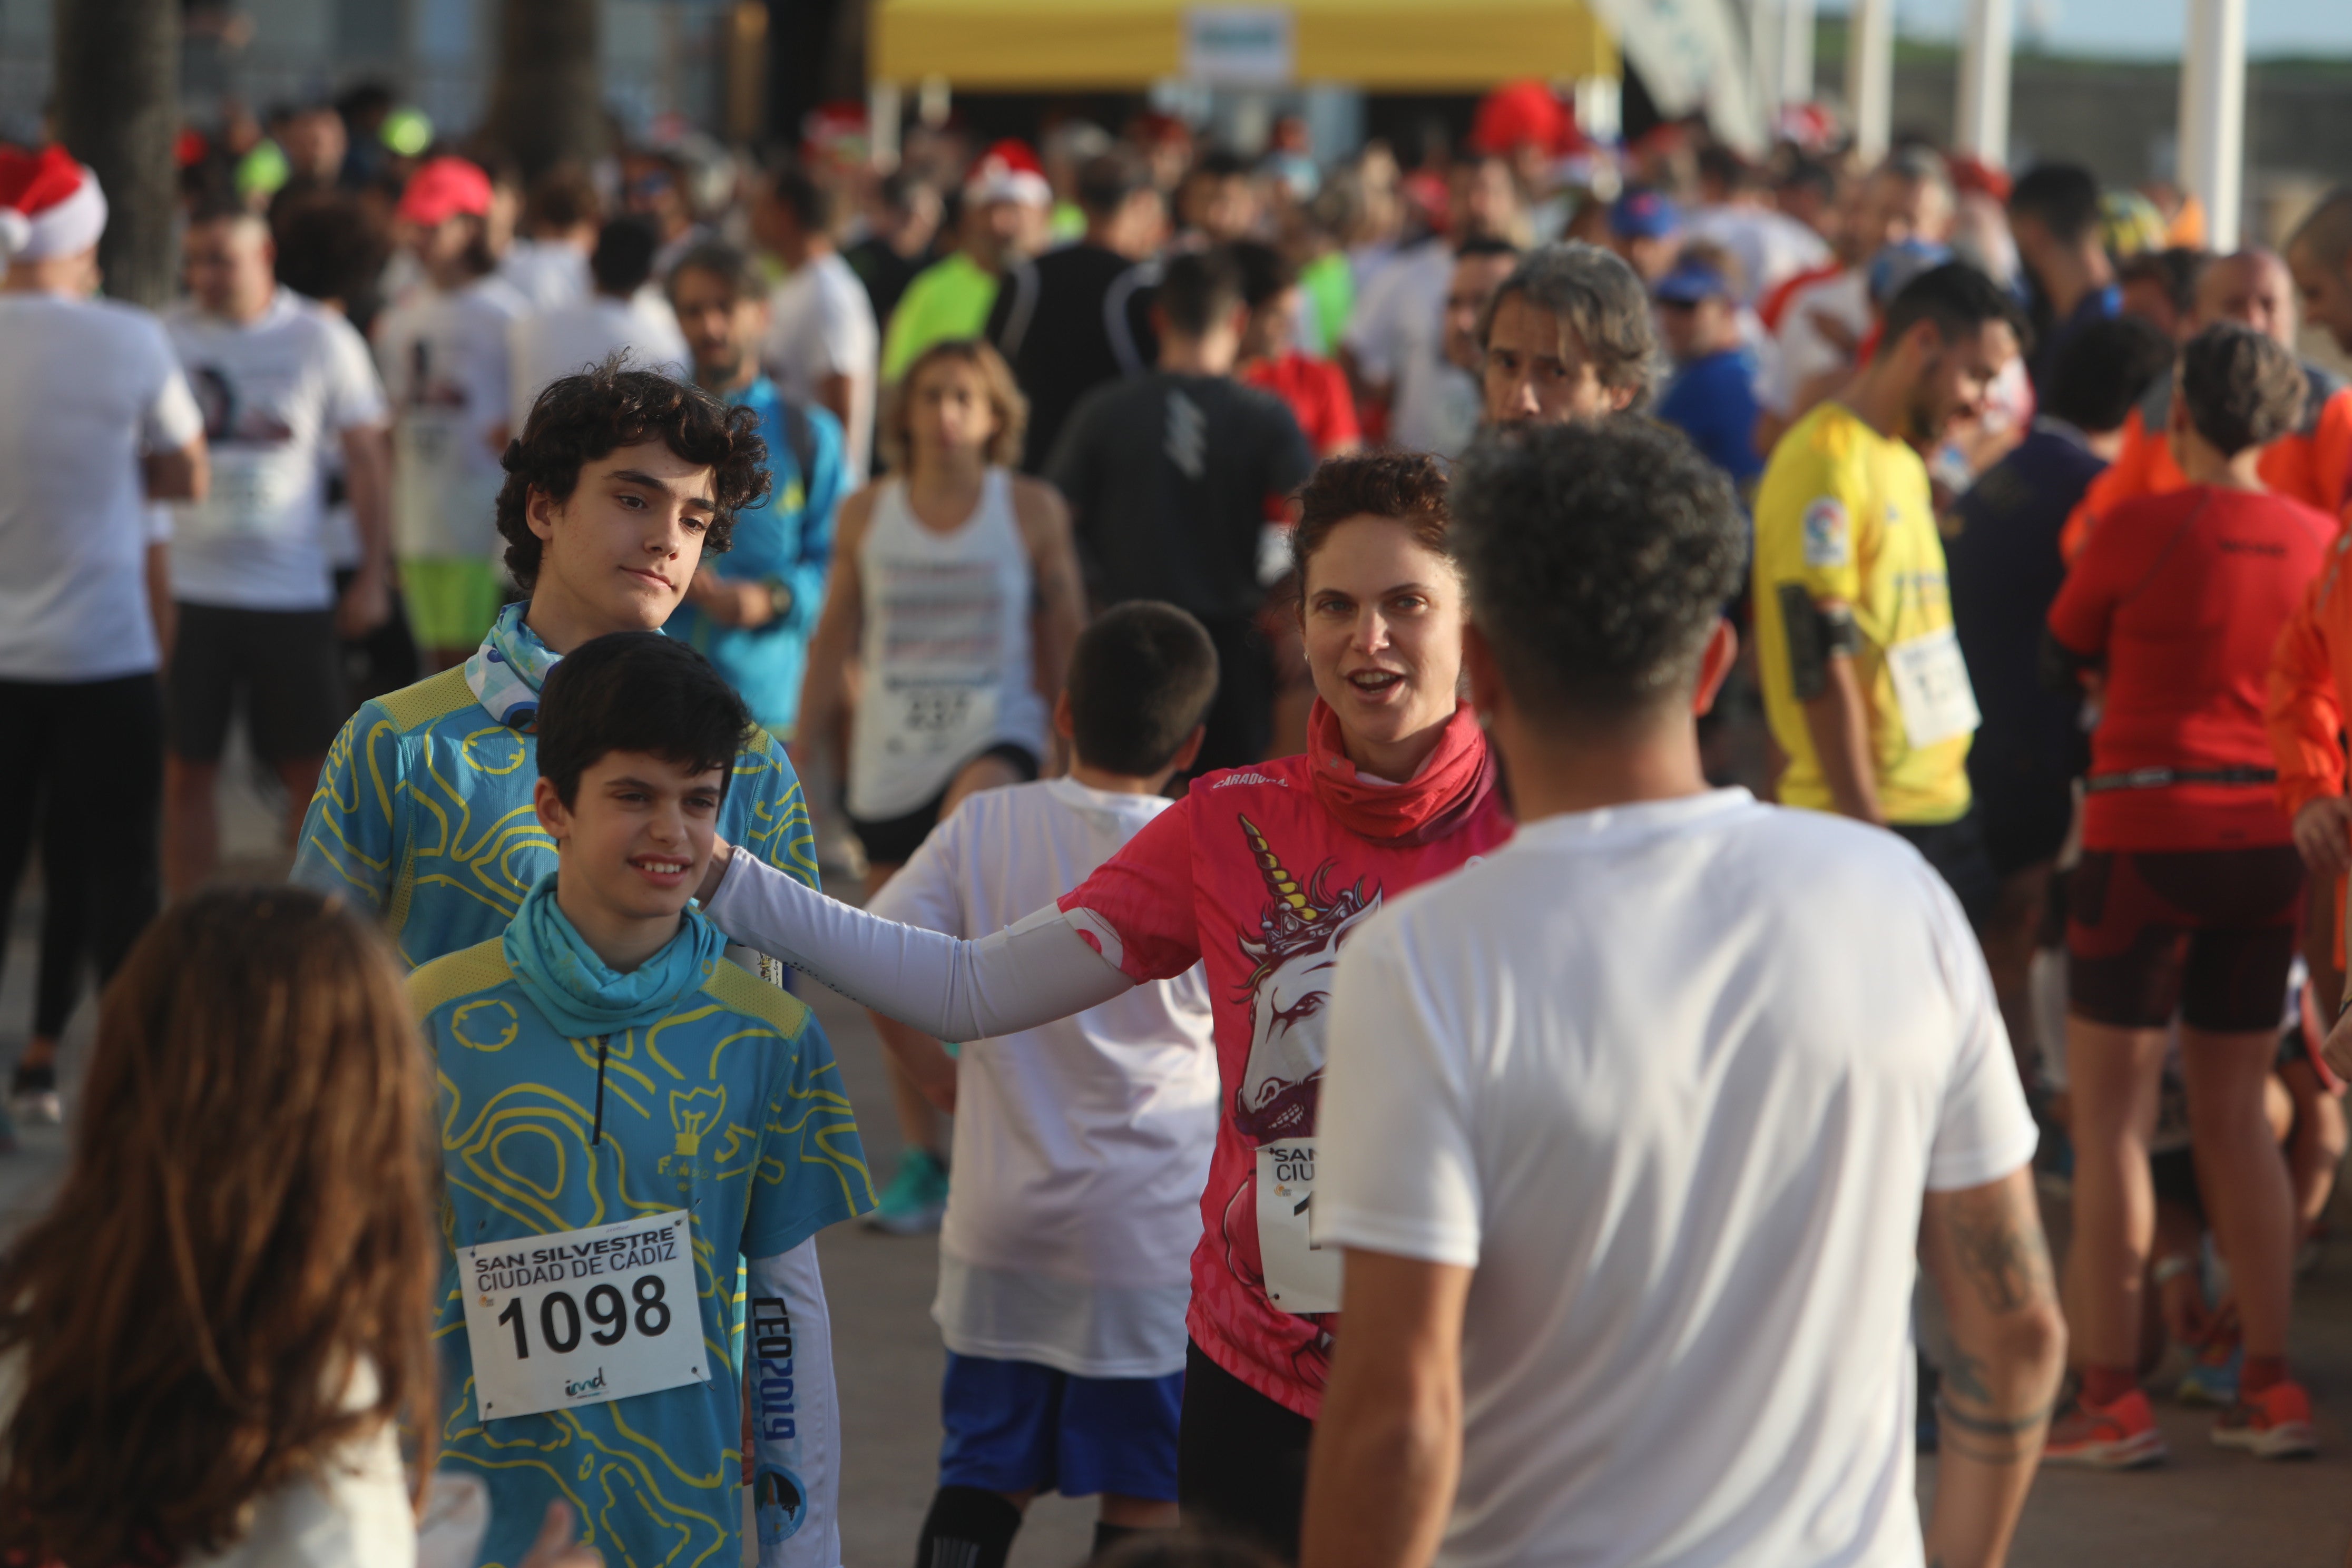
722, 855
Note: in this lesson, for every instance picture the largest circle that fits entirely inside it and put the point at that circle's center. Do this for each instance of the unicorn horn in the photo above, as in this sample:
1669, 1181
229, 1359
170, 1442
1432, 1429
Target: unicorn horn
1286, 886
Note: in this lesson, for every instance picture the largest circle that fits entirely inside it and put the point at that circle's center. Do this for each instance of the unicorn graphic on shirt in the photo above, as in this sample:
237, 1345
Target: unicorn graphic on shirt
1288, 991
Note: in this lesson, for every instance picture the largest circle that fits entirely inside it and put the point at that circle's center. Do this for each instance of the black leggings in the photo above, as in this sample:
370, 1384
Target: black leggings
1240, 1459
83, 763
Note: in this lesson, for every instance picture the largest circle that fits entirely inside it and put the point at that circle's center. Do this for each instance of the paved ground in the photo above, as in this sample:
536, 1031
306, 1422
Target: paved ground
2207, 1507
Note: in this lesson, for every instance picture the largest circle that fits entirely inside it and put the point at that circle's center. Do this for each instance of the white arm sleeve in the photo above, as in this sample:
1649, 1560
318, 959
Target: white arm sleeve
1033, 972
795, 1414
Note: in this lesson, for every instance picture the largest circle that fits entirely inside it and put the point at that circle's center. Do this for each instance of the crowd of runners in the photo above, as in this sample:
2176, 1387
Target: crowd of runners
1234, 631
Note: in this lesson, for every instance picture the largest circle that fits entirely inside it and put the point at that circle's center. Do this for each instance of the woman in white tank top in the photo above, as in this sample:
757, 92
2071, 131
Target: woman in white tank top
955, 584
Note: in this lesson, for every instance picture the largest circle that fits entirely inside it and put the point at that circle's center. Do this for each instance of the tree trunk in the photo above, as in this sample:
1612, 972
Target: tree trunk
118, 104
549, 101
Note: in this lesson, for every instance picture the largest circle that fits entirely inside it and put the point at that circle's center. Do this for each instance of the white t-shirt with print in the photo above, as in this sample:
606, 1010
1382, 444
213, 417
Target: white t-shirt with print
447, 372
277, 394
1672, 1078
820, 324
87, 387
1081, 1146
548, 345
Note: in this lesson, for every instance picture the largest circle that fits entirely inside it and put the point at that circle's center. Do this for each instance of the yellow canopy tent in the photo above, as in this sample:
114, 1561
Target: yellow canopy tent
1393, 46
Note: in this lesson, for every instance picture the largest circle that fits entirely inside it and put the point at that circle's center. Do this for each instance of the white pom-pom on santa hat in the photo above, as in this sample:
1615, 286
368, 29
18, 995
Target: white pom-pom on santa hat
50, 206
1008, 172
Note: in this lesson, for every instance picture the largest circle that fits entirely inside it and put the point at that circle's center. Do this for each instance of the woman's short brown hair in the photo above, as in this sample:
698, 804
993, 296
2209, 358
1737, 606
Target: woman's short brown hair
2240, 388
897, 442
1407, 486
245, 1236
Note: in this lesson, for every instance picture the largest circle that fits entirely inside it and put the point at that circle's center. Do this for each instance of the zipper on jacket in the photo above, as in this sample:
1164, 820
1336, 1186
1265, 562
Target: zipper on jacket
597, 1134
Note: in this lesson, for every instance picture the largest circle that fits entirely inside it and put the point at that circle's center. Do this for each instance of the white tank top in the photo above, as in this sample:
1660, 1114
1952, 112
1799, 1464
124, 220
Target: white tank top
949, 668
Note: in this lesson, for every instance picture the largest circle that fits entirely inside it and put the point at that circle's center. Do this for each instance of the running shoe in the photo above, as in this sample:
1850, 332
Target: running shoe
33, 1094
2118, 1437
2273, 1425
916, 1198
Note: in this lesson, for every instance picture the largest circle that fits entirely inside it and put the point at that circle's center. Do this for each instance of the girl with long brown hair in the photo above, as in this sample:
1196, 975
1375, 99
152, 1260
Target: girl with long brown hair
208, 1344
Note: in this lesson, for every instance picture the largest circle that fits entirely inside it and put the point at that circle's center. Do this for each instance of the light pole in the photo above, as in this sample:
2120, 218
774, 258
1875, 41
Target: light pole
1984, 82
2212, 124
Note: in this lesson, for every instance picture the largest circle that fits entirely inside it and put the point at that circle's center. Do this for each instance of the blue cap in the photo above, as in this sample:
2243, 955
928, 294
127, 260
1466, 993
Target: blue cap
1897, 264
1643, 214
1690, 282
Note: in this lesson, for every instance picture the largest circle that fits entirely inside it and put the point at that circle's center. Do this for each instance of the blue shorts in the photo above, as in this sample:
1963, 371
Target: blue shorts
1017, 1426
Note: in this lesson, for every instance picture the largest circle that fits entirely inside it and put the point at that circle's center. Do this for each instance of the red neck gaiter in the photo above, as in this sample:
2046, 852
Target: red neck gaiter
1448, 790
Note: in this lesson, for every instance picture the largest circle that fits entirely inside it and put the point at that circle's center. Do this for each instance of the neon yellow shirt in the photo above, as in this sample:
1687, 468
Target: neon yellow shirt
949, 298
1844, 516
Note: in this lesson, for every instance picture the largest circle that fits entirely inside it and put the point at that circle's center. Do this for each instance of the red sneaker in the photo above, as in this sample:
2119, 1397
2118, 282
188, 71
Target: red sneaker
2118, 1437
2273, 1425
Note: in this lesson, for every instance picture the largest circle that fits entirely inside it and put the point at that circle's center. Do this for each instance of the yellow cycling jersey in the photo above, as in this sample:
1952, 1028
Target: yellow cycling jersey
1843, 517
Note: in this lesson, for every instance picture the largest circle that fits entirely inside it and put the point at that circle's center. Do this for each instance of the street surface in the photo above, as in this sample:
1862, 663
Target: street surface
2207, 1508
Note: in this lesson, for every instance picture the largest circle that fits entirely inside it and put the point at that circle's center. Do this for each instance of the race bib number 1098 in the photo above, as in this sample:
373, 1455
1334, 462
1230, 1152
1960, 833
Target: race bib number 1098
582, 1316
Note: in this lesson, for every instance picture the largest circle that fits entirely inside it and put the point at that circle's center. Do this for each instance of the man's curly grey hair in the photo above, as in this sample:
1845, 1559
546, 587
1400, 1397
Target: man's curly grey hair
1596, 296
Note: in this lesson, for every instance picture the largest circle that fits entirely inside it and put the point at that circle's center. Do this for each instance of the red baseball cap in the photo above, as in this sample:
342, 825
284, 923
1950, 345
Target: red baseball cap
1519, 113
443, 189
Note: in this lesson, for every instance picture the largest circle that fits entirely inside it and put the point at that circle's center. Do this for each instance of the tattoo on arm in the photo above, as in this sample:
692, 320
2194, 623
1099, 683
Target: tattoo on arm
2002, 1426
1965, 1374
2002, 1253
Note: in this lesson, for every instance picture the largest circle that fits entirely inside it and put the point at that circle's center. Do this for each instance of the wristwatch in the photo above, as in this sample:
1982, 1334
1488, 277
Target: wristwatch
779, 600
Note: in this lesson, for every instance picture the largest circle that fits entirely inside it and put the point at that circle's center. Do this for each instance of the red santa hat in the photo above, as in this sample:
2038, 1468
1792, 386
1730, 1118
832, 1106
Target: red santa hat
50, 206
1008, 172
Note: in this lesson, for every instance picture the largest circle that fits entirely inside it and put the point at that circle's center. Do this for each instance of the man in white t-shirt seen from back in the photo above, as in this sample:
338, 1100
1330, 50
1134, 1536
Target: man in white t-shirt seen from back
1630, 1132
1081, 1146
96, 423
548, 261
260, 625
823, 345
622, 317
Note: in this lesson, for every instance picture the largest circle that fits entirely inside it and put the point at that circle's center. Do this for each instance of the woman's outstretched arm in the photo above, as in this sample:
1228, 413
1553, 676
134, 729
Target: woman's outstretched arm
1033, 972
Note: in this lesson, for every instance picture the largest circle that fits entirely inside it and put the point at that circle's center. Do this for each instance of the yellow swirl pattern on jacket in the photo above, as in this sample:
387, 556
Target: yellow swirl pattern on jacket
730, 1108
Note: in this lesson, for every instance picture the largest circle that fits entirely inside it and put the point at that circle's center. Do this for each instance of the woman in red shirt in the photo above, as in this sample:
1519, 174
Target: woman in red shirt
1260, 873
2189, 896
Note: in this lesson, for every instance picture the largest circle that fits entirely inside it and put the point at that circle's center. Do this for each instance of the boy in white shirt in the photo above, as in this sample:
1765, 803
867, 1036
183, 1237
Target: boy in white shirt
1081, 1146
